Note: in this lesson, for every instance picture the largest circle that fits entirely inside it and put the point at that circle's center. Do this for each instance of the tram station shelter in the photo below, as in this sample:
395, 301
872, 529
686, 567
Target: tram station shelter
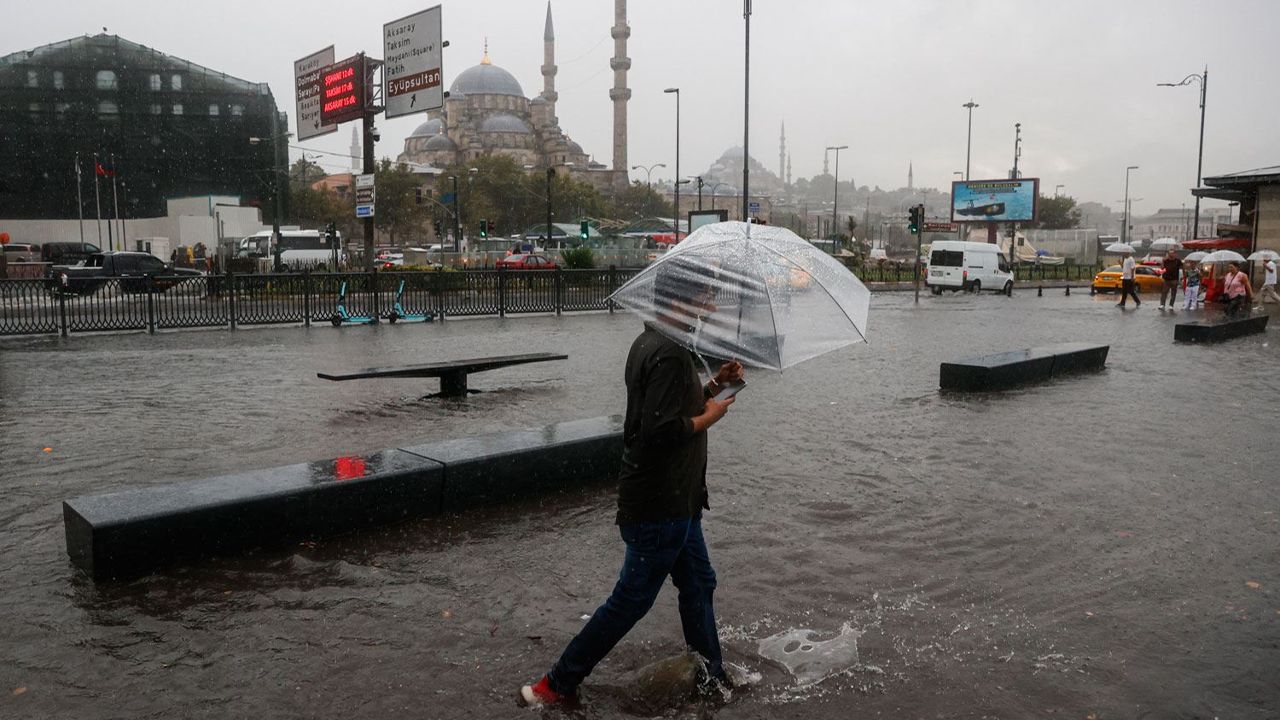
1258, 193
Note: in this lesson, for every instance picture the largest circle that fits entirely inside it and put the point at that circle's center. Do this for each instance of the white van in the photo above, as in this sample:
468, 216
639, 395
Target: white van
298, 248
967, 266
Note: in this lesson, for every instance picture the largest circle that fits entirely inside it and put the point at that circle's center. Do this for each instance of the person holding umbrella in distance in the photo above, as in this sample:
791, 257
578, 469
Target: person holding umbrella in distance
1127, 282
662, 490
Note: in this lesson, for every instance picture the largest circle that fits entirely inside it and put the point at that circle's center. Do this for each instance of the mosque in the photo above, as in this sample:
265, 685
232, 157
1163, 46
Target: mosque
486, 112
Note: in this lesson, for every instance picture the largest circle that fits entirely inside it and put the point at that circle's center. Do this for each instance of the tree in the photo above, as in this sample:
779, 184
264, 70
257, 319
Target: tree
1057, 213
304, 172
396, 208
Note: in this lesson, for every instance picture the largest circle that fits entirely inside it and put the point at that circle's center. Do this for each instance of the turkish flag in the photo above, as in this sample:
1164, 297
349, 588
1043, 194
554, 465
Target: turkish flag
105, 170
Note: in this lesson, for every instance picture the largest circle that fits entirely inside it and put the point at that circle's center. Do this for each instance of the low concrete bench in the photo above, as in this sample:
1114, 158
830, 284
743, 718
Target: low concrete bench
1210, 331
452, 373
134, 532
1018, 367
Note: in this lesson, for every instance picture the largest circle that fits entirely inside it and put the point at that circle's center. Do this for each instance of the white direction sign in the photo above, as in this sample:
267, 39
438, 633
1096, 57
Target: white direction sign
411, 76
308, 81
365, 196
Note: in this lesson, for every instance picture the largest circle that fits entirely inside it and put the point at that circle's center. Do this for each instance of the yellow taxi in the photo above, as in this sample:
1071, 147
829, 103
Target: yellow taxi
1149, 279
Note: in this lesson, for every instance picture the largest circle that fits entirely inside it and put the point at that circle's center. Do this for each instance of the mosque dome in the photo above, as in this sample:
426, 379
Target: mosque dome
440, 142
575, 148
538, 101
504, 123
428, 128
485, 79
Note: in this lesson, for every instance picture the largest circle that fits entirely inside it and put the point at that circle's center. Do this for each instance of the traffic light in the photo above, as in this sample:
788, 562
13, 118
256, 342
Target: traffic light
584, 230
917, 219
484, 228
330, 232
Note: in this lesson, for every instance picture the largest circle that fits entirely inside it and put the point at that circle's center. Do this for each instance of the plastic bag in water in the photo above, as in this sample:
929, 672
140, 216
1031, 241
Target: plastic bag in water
811, 661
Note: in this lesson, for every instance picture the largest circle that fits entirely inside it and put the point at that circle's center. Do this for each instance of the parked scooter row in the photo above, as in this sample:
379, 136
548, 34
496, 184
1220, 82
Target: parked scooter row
396, 314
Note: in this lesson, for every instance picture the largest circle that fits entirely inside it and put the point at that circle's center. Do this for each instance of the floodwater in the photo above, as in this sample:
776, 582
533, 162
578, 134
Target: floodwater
1105, 545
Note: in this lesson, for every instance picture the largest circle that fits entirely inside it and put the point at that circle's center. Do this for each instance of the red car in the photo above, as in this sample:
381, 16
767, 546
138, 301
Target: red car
527, 261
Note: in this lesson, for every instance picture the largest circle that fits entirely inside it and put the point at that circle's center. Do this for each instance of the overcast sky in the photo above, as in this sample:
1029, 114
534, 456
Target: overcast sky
887, 79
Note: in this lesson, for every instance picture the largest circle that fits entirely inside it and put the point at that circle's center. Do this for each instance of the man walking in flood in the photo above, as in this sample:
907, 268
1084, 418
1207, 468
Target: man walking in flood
1128, 286
1172, 266
662, 492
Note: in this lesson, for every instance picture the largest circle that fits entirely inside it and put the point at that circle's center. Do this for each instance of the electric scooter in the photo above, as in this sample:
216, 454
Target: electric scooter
341, 315
398, 312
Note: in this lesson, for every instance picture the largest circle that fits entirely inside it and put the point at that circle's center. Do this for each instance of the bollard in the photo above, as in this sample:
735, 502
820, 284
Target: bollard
1068, 290
1040, 291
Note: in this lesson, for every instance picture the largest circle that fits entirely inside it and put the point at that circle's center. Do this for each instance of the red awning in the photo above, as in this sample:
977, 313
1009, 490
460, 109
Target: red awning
1208, 244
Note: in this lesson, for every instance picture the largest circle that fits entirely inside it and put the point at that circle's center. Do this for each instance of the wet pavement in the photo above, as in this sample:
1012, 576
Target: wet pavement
1107, 543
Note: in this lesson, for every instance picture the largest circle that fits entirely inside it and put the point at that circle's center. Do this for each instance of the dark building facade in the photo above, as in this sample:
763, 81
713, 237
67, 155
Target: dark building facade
174, 129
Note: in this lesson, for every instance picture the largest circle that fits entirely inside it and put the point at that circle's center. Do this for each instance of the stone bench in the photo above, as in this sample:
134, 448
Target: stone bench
452, 373
1019, 367
134, 532
1210, 331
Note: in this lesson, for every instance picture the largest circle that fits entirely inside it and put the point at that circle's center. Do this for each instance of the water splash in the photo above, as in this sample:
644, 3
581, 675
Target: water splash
811, 661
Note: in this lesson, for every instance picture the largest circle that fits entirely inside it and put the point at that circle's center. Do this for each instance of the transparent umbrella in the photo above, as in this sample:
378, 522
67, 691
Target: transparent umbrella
754, 293
1196, 256
1264, 255
1119, 247
1165, 244
1223, 256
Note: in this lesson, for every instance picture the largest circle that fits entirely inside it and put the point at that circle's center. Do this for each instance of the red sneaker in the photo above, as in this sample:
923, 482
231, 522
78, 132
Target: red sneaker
540, 694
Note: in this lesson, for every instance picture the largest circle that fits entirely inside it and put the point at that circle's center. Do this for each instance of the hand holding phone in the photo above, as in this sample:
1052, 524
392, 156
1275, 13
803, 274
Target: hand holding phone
730, 390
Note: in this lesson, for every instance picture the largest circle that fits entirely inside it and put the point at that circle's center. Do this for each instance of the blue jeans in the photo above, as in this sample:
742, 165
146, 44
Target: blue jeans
655, 550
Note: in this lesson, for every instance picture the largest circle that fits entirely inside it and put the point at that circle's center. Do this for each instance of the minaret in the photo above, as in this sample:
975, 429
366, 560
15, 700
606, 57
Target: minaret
620, 93
549, 63
826, 160
910, 180
782, 153
788, 169
357, 159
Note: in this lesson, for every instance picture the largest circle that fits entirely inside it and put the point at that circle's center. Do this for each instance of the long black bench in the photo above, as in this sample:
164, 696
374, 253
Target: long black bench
1019, 367
133, 532
452, 373
1211, 331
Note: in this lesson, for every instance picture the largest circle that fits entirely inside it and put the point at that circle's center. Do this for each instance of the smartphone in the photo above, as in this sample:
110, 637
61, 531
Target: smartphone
730, 390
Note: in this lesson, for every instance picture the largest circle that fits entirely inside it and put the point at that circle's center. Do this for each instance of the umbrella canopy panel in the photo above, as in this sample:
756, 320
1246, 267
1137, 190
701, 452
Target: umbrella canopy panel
758, 294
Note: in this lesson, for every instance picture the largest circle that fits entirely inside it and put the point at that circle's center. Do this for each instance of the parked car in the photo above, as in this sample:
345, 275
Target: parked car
1149, 279
968, 266
67, 253
133, 269
527, 261
22, 252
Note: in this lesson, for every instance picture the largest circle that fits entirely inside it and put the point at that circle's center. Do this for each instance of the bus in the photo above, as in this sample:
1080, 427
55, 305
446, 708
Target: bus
298, 248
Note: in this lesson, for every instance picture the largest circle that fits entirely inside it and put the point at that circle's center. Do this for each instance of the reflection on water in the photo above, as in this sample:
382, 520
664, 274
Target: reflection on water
1095, 544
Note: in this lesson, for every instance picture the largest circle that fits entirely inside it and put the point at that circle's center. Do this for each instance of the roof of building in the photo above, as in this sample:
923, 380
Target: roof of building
1258, 176
486, 79
440, 142
428, 128
504, 123
46, 53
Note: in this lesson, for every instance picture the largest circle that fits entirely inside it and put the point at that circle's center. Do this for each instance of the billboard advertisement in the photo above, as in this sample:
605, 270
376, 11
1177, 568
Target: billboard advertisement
411, 76
994, 200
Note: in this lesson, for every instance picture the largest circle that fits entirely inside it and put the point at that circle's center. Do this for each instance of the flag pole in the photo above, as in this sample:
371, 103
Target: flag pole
124, 234
80, 202
115, 202
97, 199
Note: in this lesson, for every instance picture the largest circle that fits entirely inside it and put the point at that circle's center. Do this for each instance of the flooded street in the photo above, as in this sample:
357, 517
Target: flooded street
1107, 543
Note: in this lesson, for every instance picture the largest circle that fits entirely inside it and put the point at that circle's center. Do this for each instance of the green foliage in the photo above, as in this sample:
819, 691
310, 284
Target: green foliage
396, 211
580, 258
1057, 213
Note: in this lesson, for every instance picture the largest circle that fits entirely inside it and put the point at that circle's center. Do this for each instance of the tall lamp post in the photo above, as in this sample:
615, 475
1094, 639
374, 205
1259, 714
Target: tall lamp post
648, 169
1124, 229
677, 181
457, 221
277, 170
1056, 188
714, 188
835, 199
551, 174
746, 110
1203, 79
969, 143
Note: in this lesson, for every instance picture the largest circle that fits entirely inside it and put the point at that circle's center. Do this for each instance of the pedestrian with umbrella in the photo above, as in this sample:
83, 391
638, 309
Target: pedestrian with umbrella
1268, 289
742, 294
1172, 266
1127, 268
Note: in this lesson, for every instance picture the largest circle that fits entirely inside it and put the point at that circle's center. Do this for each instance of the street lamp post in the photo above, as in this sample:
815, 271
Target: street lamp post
551, 174
700, 183
277, 170
648, 169
1203, 79
1124, 229
746, 110
968, 144
1056, 188
457, 222
677, 183
714, 188
835, 199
